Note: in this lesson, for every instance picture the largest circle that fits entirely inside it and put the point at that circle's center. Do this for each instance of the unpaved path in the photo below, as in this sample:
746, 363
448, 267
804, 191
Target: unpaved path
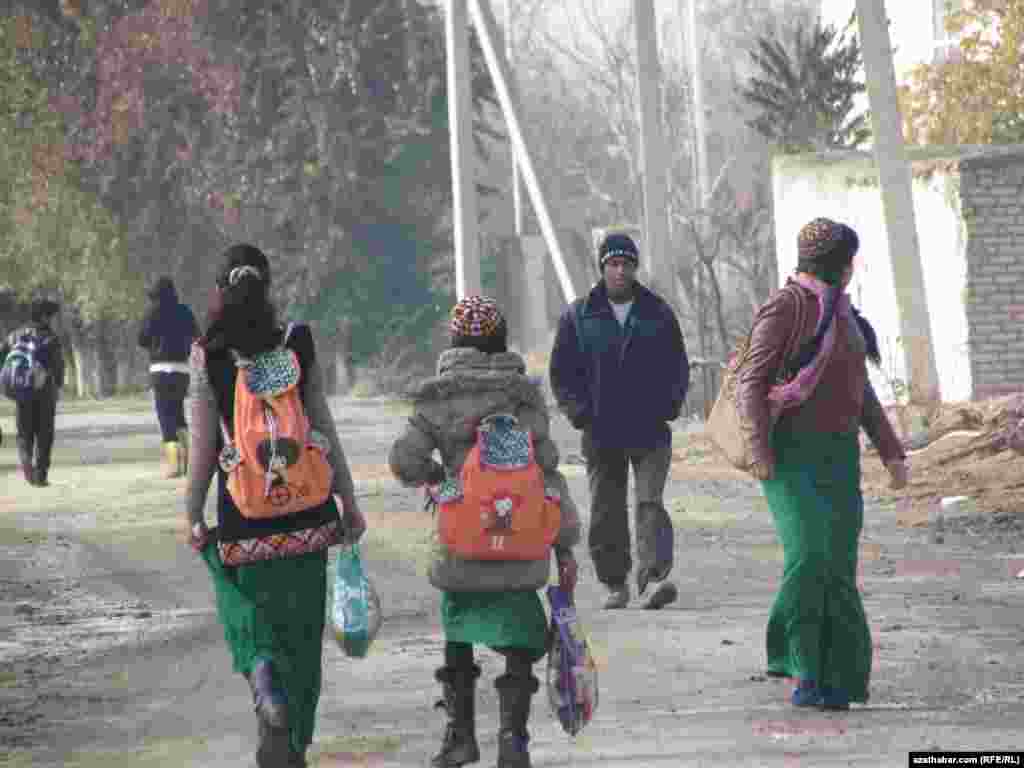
110, 653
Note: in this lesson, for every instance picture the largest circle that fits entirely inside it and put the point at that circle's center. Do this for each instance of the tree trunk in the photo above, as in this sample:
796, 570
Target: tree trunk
132, 362
83, 353
94, 360
345, 372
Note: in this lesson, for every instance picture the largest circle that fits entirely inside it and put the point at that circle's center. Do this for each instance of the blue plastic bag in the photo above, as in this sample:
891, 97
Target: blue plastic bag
356, 617
572, 673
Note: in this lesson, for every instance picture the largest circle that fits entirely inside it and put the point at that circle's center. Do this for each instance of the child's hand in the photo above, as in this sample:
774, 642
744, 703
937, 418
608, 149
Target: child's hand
568, 573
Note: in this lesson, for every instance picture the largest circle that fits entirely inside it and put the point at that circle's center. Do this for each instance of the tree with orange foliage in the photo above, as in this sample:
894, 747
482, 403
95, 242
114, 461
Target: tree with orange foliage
976, 96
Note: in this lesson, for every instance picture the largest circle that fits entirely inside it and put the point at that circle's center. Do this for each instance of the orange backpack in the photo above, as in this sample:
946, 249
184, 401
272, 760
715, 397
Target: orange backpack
276, 465
499, 508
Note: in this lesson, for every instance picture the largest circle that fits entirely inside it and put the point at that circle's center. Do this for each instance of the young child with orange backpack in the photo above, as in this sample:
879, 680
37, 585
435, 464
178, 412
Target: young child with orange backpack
502, 509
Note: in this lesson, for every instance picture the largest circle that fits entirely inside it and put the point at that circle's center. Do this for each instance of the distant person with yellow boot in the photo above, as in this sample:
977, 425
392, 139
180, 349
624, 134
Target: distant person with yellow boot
168, 330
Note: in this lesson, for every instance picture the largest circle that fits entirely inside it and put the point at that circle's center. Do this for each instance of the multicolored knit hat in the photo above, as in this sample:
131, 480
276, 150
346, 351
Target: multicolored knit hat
826, 247
476, 316
819, 238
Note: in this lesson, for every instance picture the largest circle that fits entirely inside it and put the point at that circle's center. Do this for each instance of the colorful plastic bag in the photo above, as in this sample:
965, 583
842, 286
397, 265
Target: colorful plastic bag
572, 673
356, 616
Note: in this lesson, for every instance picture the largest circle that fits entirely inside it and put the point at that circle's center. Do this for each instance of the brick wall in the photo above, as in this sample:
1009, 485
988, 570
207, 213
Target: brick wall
992, 197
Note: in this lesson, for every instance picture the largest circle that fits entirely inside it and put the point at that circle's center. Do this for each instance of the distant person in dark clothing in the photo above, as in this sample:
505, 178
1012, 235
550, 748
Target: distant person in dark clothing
36, 412
168, 330
619, 371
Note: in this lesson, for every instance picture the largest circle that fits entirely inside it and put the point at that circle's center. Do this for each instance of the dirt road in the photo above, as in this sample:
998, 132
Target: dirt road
110, 653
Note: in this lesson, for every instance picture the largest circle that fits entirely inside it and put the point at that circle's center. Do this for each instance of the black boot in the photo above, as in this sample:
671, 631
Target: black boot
272, 712
514, 695
459, 746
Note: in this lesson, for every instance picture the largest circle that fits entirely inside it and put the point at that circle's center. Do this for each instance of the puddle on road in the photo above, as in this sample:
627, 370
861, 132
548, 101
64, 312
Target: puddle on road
81, 624
780, 730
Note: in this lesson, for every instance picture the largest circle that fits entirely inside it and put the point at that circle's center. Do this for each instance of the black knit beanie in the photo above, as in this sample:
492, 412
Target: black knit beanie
617, 245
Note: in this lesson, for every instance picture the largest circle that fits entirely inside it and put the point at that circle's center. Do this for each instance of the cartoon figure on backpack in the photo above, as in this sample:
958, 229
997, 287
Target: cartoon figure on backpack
501, 521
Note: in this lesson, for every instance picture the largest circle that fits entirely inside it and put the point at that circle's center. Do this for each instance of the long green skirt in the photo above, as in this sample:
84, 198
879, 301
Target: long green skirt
817, 629
495, 619
275, 610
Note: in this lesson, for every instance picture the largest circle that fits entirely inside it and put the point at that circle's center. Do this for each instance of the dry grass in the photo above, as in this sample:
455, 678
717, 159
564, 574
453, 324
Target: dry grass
153, 754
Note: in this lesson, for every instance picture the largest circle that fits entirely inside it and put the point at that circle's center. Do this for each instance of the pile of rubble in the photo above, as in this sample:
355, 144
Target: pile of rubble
956, 450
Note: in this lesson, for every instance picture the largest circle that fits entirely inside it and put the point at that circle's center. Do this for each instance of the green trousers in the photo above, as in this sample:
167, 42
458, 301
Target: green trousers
276, 610
817, 629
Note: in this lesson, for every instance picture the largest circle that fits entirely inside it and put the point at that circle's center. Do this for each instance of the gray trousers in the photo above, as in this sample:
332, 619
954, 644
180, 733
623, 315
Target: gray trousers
608, 538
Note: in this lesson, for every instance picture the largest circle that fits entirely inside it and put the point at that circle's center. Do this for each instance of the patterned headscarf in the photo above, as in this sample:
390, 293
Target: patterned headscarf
826, 248
476, 316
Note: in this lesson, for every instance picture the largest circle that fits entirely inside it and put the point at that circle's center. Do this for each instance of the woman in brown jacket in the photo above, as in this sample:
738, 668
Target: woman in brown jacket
809, 465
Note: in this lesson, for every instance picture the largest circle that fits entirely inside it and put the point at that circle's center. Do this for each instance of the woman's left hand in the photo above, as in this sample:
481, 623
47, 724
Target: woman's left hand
897, 474
353, 522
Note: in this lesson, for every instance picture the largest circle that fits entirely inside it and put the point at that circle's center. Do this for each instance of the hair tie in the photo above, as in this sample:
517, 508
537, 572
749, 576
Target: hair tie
235, 275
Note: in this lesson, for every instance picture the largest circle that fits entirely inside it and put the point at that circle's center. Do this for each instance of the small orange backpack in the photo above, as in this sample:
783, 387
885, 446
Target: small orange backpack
498, 509
276, 465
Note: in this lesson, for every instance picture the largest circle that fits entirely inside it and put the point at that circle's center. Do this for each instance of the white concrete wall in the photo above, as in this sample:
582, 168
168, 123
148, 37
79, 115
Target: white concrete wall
848, 191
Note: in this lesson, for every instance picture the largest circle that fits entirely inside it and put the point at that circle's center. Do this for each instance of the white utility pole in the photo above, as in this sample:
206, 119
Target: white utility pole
689, 32
489, 36
898, 202
517, 186
460, 126
652, 150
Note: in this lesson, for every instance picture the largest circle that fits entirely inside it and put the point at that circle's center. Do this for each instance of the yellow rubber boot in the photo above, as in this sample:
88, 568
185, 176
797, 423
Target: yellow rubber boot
172, 460
182, 452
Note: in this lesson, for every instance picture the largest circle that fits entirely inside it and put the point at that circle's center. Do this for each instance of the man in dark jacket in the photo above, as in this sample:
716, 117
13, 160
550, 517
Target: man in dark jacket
36, 415
168, 330
619, 371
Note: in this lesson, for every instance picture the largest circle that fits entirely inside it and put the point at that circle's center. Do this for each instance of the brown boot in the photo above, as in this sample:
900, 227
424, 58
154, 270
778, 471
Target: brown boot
459, 746
514, 694
29, 473
269, 701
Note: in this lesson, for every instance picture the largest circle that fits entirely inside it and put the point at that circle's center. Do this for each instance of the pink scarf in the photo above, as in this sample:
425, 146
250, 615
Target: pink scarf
782, 397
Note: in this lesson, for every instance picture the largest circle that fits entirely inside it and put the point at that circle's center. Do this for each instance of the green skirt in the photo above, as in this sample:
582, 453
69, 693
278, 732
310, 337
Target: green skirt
495, 619
275, 610
817, 629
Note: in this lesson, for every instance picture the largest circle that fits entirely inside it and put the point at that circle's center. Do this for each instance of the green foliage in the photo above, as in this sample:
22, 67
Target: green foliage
389, 300
805, 90
54, 236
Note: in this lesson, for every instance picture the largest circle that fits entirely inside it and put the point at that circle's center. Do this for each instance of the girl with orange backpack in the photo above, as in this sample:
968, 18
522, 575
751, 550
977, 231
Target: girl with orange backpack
503, 508
261, 423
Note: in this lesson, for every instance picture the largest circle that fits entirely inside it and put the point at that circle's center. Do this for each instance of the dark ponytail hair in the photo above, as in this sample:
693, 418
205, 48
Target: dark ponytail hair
242, 316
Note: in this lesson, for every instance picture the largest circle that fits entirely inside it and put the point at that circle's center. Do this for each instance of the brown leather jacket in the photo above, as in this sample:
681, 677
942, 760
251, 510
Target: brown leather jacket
843, 401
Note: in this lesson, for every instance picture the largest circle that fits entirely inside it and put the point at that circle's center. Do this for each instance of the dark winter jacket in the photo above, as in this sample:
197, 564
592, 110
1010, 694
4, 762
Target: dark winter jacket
620, 384
168, 328
50, 355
